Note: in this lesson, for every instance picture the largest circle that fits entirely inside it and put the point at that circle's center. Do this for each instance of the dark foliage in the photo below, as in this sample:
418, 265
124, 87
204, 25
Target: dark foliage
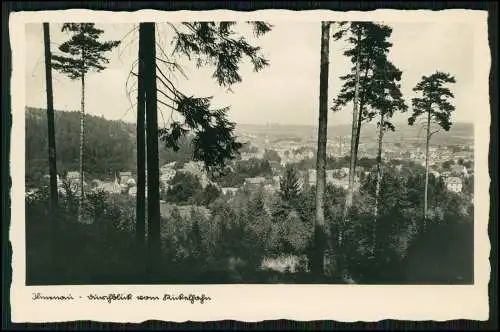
185, 188
434, 100
109, 150
242, 169
83, 52
241, 231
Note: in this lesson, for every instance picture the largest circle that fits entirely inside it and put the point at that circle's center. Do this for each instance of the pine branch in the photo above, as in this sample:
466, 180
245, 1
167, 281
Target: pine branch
170, 86
433, 132
166, 105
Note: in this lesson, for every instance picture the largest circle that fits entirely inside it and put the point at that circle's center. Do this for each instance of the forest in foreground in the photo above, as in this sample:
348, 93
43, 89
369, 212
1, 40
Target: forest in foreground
233, 236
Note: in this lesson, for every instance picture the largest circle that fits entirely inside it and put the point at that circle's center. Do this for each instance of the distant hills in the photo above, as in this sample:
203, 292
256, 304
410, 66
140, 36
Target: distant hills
110, 145
459, 131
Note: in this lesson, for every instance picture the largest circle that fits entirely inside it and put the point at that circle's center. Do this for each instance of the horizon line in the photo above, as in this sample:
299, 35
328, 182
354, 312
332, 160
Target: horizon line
238, 123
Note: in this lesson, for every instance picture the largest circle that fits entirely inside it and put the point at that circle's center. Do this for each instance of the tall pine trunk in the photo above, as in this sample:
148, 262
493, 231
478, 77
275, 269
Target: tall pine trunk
360, 117
354, 133
50, 125
428, 137
153, 172
379, 164
379, 178
317, 264
54, 205
358, 132
140, 226
82, 143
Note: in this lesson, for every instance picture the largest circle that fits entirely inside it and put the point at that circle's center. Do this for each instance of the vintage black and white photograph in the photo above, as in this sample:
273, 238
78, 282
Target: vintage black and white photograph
249, 152
253, 151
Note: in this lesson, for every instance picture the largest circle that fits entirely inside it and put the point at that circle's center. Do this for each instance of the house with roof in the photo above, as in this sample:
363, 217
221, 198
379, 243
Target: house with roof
73, 175
73, 179
125, 176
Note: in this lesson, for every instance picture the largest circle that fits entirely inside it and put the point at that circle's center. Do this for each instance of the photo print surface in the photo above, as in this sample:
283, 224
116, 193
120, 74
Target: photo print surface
311, 152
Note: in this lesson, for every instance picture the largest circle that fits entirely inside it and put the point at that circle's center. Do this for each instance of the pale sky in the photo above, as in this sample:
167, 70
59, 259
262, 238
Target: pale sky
285, 92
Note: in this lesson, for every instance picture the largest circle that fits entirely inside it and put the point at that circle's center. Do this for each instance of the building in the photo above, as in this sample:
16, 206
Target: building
167, 167
344, 171
197, 169
229, 190
276, 181
341, 183
167, 173
270, 188
281, 264
330, 176
275, 166
125, 176
311, 177
446, 174
124, 188
73, 179
255, 182
454, 184
73, 175
435, 173
130, 182
132, 191
109, 187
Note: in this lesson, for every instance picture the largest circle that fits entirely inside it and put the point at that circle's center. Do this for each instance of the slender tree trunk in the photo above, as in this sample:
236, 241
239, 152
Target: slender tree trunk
354, 133
379, 163
54, 205
50, 126
317, 264
379, 178
140, 227
362, 101
82, 143
153, 173
306, 180
427, 165
358, 133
